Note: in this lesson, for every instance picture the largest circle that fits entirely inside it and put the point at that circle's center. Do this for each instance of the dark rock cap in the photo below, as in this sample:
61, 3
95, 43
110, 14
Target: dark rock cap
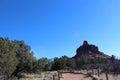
85, 43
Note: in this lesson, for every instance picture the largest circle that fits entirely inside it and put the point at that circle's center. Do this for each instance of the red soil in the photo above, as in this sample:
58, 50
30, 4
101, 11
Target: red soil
70, 76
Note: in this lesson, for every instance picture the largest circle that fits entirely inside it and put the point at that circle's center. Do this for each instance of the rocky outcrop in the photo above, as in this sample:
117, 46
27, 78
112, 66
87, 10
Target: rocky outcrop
90, 50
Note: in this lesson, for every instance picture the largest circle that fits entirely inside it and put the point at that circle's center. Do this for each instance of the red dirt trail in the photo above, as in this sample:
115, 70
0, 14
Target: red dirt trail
70, 76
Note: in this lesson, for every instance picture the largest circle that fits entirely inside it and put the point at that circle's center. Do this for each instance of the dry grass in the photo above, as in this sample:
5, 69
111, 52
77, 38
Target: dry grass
41, 76
75, 75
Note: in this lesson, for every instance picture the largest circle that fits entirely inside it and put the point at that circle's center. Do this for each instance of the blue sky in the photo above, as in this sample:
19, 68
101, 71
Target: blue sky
54, 28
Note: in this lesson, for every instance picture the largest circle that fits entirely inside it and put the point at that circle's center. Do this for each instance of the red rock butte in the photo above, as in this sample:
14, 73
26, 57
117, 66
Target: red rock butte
92, 51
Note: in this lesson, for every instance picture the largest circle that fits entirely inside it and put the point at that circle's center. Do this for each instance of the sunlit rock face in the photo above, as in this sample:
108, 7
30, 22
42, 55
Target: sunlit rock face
90, 50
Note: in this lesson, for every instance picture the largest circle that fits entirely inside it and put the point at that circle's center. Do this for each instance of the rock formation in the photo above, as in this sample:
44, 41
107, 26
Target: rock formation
90, 50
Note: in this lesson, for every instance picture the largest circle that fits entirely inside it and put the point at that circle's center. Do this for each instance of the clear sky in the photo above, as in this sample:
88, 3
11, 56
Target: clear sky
54, 28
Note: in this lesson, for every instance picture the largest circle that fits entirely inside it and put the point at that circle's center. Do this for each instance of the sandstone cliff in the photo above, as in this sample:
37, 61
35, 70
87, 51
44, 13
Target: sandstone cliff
90, 50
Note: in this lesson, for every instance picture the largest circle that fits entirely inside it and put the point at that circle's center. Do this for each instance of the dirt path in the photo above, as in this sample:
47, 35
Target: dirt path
70, 76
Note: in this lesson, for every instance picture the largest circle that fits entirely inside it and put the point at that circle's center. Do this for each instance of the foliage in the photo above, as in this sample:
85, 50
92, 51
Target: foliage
71, 64
49, 64
63, 62
83, 59
15, 57
40, 64
24, 56
8, 59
